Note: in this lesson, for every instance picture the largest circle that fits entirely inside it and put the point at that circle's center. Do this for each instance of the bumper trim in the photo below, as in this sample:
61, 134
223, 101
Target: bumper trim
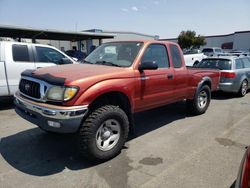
56, 112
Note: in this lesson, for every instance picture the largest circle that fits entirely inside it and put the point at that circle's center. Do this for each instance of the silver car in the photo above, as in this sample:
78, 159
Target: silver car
235, 72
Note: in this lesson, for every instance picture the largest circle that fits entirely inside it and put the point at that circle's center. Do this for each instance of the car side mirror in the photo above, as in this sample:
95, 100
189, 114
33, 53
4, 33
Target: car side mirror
65, 61
148, 65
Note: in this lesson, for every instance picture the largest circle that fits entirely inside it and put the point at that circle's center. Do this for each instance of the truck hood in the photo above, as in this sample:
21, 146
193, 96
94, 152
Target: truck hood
77, 73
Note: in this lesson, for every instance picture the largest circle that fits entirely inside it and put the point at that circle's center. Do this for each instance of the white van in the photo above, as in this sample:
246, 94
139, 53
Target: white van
15, 57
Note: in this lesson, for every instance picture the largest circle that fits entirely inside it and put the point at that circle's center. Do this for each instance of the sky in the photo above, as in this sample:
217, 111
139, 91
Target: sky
166, 18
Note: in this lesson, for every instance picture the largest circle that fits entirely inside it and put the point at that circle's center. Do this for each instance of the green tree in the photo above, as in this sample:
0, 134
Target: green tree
188, 39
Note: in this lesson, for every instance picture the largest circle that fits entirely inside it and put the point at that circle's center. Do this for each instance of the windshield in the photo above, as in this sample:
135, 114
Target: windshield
221, 64
121, 54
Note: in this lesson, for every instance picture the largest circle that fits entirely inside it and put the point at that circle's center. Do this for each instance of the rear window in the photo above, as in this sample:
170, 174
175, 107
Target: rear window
207, 50
221, 64
20, 53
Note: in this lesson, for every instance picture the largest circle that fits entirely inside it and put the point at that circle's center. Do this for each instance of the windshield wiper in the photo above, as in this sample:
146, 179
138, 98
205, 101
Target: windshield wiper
107, 63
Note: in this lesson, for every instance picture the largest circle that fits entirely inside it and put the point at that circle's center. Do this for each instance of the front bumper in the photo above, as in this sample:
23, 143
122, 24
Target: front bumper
52, 118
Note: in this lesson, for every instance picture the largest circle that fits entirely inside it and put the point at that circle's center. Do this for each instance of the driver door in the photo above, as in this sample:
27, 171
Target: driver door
154, 88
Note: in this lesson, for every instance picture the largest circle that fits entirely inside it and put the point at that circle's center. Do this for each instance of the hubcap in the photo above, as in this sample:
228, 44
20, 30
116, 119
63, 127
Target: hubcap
108, 134
244, 88
202, 99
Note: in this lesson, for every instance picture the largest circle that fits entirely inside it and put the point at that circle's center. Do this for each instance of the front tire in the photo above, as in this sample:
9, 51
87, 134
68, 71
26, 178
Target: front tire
103, 133
201, 101
243, 89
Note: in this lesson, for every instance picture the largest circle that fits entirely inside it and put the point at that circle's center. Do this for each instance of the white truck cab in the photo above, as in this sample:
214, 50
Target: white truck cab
193, 57
15, 57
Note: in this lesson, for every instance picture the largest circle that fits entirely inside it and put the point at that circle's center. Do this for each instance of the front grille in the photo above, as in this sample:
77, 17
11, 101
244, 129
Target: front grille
30, 88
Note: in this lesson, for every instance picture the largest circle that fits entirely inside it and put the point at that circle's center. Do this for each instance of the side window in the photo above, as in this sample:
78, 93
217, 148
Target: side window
20, 53
176, 56
246, 62
157, 53
48, 55
239, 64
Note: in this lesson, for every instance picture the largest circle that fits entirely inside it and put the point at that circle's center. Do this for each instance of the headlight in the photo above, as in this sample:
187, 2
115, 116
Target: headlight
58, 93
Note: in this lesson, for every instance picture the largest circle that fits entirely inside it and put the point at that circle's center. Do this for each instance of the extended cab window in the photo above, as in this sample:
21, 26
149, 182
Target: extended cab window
176, 56
157, 53
239, 64
20, 53
48, 55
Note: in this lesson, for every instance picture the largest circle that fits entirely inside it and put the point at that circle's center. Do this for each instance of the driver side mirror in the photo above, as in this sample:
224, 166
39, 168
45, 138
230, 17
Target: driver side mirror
148, 65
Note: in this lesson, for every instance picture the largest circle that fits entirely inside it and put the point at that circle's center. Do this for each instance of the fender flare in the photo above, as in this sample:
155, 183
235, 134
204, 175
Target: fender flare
202, 83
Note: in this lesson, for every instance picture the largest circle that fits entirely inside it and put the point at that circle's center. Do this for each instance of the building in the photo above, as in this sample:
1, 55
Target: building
239, 40
123, 35
127, 35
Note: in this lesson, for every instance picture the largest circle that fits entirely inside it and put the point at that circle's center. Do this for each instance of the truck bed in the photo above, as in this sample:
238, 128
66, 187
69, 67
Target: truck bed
211, 73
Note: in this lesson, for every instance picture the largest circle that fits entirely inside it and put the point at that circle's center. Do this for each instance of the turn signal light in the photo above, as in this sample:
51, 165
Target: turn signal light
228, 74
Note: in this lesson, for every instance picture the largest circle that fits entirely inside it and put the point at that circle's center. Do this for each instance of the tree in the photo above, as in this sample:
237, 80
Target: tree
188, 39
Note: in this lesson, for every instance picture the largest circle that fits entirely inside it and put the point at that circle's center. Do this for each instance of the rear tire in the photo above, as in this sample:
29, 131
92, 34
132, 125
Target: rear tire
201, 101
243, 89
103, 133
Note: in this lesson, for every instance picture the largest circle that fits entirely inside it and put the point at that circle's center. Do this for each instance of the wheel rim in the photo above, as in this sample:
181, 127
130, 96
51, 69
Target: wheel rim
202, 99
244, 88
108, 134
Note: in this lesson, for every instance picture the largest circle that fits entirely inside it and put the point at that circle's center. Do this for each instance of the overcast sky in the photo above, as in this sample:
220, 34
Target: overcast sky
166, 18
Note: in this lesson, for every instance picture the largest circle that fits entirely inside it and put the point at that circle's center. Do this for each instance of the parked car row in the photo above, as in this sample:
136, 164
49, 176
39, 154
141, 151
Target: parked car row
194, 56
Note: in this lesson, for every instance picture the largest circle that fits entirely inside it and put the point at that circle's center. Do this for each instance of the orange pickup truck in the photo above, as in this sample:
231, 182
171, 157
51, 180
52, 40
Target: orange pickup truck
98, 98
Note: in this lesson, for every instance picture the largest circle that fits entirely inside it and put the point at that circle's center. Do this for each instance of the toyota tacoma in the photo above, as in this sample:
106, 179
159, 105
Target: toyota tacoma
98, 98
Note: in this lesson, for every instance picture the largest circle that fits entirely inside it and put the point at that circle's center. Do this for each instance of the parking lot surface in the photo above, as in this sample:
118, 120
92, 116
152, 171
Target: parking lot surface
170, 149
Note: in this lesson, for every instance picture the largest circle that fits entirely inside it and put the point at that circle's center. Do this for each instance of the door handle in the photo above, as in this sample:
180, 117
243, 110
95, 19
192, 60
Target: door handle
170, 76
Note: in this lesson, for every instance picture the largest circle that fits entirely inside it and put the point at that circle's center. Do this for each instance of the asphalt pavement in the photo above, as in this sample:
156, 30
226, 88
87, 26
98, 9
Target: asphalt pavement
170, 149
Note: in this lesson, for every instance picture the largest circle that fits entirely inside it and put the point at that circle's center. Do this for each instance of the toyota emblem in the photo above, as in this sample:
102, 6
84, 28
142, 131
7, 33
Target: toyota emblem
27, 87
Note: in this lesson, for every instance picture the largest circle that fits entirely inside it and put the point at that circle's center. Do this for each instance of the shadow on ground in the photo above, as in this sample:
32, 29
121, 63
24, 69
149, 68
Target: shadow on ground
219, 95
38, 153
6, 103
